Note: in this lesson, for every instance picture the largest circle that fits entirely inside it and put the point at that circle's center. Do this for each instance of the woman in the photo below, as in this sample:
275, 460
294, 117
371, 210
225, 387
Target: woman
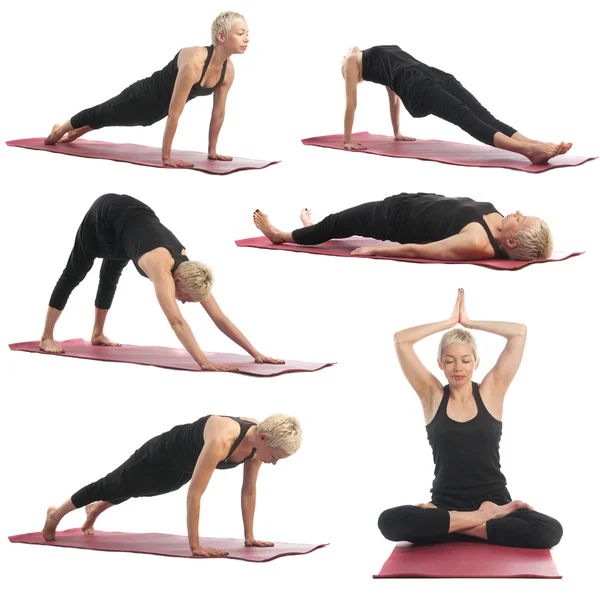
119, 228
189, 453
195, 71
427, 226
464, 426
425, 90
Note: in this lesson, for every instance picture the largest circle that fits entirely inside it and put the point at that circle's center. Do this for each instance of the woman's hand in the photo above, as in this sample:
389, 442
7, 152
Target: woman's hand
176, 163
463, 319
261, 359
354, 146
363, 251
404, 138
455, 316
213, 367
215, 156
206, 552
252, 543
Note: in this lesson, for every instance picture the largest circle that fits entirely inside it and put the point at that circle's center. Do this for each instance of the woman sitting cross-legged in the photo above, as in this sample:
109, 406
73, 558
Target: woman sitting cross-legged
464, 425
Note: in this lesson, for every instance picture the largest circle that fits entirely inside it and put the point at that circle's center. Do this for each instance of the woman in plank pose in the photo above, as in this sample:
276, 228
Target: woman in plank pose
191, 453
464, 425
195, 71
426, 226
119, 228
425, 90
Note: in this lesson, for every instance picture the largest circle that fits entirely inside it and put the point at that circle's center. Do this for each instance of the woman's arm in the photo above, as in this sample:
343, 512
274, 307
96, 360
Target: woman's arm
158, 271
214, 451
187, 75
218, 113
233, 333
251, 468
462, 246
351, 73
497, 381
395, 116
425, 384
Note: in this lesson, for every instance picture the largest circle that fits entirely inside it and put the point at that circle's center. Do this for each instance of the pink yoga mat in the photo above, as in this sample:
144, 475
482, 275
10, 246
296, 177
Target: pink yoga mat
170, 358
143, 155
452, 153
344, 247
161, 544
467, 559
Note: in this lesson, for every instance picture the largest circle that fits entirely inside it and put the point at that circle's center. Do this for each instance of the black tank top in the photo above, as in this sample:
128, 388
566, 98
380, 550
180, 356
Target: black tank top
137, 230
383, 64
422, 218
466, 455
157, 89
184, 443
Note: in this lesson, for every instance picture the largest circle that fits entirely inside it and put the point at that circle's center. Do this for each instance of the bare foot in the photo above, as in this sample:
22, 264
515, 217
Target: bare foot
542, 153
261, 220
101, 340
53, 137
49, 531
426, 505
564, 147
493, 511
306, 217
50, 346
92, 512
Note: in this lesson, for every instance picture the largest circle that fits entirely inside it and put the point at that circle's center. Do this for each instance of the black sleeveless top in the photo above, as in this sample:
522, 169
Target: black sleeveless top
119, 227
384, 64
422, 218
466, 455
155, 92
408, 77
184, 443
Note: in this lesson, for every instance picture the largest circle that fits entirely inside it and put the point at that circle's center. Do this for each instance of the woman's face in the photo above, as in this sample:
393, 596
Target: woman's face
237, 38
269, 455
458, 363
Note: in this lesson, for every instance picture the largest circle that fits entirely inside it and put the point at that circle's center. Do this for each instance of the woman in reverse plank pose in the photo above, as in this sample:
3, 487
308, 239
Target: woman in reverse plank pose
119, 228
189, 453
425, 90
426, 226
464, 425
195, 71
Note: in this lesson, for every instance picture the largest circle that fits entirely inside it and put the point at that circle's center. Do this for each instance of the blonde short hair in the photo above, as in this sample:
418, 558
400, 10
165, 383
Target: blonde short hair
223, 23
457, 336
196, 280
533, 243
283, 432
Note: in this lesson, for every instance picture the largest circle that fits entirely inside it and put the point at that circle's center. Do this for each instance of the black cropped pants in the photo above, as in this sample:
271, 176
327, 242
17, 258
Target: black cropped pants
521, 529
147, 472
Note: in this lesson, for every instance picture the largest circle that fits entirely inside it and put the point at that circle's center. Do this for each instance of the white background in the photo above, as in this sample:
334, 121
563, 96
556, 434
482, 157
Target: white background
67, 422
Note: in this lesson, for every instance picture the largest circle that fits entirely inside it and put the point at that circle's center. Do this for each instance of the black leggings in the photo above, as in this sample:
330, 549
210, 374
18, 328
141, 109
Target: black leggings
367, 220
90, 233
447, 99
521, 529
121, 111
147, 472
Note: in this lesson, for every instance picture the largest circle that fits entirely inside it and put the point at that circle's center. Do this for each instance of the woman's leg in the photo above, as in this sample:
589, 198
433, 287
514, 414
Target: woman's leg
78, 266
441, 103
358, 220
524, 529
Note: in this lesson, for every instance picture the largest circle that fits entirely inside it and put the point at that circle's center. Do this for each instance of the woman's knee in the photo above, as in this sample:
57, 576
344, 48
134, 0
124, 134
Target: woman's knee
394, 523
550, 534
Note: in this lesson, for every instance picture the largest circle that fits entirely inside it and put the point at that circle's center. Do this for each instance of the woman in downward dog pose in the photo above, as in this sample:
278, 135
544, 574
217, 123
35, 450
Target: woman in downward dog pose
195, 71
425, 90
427, 226
469, 496
189, 453
119, 228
